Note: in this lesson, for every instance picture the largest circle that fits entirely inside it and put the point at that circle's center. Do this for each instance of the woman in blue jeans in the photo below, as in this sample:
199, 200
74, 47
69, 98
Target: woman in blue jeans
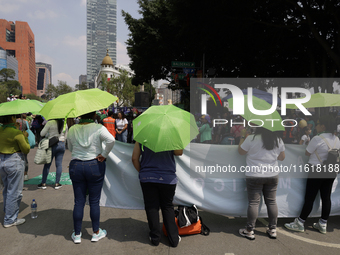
54, 128
87, 170
13, 146
121, 128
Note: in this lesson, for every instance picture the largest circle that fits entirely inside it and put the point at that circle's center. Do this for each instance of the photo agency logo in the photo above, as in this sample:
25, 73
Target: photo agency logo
247, 104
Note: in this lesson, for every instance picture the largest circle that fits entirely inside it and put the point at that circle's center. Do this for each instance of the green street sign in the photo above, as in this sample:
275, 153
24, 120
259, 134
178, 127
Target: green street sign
182, 64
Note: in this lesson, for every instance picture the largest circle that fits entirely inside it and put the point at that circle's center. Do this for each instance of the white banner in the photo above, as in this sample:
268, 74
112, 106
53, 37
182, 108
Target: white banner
217, 191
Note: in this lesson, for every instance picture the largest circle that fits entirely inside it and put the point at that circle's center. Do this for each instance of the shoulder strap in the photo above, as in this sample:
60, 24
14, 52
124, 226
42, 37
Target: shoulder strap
329, 146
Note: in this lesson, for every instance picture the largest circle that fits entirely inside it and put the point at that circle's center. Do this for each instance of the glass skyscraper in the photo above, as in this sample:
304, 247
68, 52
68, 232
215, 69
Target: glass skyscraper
101, 35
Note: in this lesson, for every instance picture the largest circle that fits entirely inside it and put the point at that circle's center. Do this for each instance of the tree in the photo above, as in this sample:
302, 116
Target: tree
32, 96
52, 91
7, 73
81, 86
121, 86
239, 38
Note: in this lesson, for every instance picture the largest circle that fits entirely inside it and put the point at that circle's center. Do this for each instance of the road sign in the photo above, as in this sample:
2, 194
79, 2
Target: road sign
182, 64
189, 70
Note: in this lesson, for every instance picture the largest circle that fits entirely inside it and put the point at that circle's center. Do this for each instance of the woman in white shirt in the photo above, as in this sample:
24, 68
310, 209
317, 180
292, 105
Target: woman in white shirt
263, 150
54, 128
87, 170
121, 127
320, 177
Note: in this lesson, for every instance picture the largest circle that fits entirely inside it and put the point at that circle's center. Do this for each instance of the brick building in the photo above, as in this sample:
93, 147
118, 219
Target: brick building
18, 40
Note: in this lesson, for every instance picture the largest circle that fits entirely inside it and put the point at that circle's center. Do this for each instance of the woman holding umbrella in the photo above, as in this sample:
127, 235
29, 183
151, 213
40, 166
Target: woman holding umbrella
157, 175
14, 144
263, 150
87, 170
161, 133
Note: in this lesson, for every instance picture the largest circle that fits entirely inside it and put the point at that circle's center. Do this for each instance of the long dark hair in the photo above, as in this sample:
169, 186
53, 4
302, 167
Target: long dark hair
270, 139
60, 123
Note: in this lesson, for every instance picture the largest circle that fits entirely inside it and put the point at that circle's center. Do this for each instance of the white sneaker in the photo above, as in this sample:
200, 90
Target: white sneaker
16, 223
249, 235
76, 238
96, 237
321, 227
272, 233
296, 225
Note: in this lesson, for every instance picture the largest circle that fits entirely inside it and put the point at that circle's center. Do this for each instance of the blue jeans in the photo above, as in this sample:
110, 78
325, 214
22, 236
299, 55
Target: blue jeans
122, 137
58, 151
12, 168
86, 176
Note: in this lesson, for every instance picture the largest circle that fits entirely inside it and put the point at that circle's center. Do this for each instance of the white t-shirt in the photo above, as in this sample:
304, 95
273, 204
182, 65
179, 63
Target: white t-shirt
262, 162
305, 139
51, 129
120, 123
317, 144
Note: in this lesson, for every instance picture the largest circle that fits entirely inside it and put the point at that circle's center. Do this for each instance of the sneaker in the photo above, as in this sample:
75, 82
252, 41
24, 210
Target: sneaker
272, 233
155, 243
96, 237
57, 186
249, 235
296, 225
42, 186
76, 238
321, 227
26, 177
16, 223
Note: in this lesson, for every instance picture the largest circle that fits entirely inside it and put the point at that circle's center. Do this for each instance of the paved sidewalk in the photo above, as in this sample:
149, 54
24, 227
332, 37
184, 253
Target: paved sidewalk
127, 230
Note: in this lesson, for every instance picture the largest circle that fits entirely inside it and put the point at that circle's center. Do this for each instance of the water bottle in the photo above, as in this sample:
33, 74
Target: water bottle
34, 206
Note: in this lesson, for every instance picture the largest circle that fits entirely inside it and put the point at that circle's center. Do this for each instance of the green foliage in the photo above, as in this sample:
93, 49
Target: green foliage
52, 91
81, 86
32, 96
121, 86
239, 38
7, 73
147, 89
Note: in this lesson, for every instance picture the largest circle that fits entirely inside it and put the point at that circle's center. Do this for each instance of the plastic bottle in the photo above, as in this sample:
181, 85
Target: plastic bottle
34, 208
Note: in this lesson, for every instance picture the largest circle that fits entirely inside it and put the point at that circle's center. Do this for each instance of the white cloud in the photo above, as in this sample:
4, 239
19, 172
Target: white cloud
122, 56
78, 42
8, 7
38, 14
44, 58
65, 77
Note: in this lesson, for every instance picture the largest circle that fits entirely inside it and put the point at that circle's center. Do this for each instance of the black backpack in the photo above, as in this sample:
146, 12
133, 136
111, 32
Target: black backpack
333, 157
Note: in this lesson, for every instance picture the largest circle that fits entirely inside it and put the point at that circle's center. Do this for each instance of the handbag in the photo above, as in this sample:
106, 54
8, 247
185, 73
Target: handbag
44, 153
31, 137
52, 141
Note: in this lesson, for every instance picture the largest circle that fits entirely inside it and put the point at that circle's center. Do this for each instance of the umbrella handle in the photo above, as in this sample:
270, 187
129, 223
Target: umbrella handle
65, 120
143, 144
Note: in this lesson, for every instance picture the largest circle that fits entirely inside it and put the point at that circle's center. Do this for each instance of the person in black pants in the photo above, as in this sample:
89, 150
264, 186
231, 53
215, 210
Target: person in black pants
157, 175
317, 180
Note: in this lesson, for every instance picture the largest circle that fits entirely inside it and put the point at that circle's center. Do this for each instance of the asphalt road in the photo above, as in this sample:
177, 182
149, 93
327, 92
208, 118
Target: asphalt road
127, 230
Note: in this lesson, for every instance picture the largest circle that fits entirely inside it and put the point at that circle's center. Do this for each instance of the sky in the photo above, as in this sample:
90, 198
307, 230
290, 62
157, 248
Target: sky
59, 28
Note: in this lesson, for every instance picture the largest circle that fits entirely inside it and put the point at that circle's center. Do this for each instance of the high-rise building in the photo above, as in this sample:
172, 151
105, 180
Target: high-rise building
101, 35
18, 41
82, 78
44, 77
9, 62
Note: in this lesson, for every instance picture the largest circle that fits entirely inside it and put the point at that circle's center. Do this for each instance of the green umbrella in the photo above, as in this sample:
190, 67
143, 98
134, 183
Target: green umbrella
18, 107
165, 128
260, 104
77, 103
320, 100
41, 104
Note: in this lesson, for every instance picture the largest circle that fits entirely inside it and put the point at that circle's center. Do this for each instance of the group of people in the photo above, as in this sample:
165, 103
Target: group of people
157, 173
263, 150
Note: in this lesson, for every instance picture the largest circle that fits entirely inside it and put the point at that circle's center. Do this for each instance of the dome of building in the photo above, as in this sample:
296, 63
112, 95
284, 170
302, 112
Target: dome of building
107, 60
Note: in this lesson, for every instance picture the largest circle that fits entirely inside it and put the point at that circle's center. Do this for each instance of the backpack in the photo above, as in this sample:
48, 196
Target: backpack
35, 124
188, 222
333, 157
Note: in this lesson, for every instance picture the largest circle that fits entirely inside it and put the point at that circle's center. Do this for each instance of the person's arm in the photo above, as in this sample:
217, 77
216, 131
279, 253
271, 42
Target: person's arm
44, 131
109, 141
281, 156
307, 153
23, 143
178, 152
243, 134
135, 156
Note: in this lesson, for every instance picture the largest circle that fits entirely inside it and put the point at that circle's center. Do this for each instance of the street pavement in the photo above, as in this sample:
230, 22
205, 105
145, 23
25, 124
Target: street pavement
50, 233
